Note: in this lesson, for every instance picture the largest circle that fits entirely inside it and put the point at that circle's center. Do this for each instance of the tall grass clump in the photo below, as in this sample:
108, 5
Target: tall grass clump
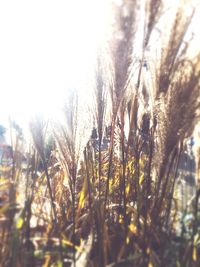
100, 185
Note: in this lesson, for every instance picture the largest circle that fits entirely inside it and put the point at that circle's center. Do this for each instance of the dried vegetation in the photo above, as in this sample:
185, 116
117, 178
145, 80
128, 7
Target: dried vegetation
108, 200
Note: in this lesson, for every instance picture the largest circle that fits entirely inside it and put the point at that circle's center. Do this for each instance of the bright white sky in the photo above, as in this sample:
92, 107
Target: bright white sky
43, 46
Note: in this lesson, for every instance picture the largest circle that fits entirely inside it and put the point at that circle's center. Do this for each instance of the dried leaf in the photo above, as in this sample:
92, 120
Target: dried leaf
47, 260
19, 223
81, 199
150, 264
141, 180
133, 228
194, 253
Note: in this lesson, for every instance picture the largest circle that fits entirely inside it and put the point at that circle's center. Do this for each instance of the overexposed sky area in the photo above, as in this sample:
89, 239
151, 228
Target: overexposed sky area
46, 48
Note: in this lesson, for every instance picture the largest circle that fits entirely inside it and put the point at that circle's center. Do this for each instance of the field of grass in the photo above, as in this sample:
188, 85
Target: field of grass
98, 189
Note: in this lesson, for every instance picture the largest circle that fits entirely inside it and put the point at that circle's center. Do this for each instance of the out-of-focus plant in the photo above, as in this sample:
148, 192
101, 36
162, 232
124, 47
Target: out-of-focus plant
106, 195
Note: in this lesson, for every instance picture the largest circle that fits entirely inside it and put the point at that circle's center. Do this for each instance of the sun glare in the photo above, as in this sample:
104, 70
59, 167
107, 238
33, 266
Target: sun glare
47, 47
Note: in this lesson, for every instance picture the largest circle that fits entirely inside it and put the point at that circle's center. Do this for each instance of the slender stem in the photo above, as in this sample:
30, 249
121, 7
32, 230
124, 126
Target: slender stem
164, 188
148, 188
99, 167
73, 174
173, 185
50, 192
88, 179
124, 162
109, 164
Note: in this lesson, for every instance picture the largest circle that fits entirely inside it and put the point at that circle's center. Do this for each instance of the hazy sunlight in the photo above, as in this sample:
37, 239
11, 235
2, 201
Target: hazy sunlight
46, 48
